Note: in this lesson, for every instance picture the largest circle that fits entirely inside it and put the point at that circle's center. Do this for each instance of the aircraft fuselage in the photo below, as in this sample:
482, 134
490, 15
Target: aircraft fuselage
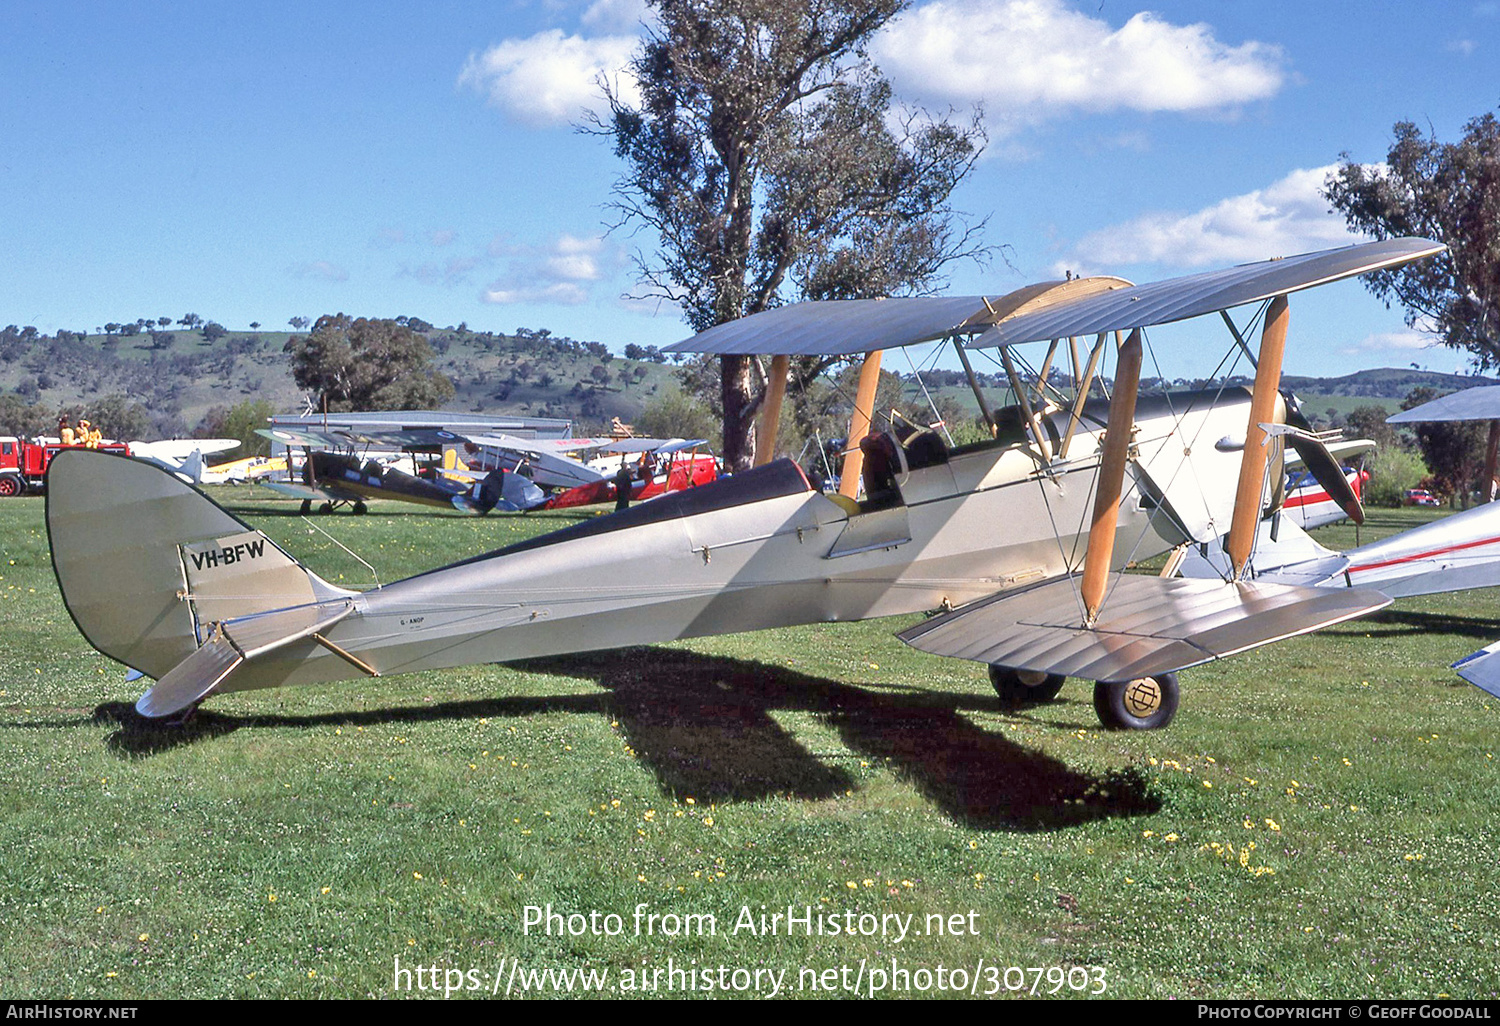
762, 549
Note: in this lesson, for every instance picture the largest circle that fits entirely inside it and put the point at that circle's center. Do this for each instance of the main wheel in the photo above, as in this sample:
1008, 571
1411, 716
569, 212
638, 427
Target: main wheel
327, 507
306, 507
11, 485
1020, 688
360, 509
1146, 703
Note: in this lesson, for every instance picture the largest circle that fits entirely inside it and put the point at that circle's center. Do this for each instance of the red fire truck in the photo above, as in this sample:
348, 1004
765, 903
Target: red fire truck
23, 461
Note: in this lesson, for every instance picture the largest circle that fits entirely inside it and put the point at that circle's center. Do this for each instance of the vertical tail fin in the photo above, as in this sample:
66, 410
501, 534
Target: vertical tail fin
147, 565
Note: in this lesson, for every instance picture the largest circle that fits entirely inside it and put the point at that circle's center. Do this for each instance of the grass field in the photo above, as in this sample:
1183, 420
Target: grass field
1320, 820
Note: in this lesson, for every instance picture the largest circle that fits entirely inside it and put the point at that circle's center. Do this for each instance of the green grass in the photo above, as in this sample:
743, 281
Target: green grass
296, 842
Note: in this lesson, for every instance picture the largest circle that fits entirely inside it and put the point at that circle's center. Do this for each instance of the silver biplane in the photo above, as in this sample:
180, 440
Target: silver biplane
1020, 541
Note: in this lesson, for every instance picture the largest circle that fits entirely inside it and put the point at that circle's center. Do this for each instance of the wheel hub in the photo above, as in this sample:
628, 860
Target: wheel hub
1142, 697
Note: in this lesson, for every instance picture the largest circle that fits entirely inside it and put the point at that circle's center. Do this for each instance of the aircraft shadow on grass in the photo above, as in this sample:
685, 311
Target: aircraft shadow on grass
705, 726
1401, 623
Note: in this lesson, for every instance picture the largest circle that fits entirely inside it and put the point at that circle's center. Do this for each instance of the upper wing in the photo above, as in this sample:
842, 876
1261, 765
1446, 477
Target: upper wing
1081, 306
538, 446
359, 437
1177, 299
841, 327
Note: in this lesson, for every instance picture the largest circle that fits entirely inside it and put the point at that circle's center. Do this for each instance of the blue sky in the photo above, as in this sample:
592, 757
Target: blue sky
262, 161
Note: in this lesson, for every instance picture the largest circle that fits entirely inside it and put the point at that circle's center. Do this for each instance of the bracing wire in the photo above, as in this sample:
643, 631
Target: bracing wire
346, 548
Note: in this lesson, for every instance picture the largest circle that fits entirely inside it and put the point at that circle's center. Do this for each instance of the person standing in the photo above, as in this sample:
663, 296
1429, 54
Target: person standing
624, 482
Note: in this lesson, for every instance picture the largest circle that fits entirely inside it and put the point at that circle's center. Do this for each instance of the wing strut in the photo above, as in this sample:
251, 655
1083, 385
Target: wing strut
1111, 477
770, 417
859, 424
984, 403
1253, 461
1081, 388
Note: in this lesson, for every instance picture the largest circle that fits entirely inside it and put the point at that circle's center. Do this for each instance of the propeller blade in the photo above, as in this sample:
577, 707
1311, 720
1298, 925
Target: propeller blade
1319, 461
1327, 472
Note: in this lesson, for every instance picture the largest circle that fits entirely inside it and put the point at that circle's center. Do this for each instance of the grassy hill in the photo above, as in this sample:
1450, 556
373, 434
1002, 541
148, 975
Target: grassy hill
181, 375
1329, 399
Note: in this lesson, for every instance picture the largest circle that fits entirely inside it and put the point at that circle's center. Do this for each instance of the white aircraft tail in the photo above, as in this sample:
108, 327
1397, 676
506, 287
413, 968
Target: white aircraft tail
151, 570
192, 467
1451, 554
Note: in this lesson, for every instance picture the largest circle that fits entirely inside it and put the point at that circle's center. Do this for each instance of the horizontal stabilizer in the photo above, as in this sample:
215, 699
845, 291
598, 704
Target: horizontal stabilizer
1148, 626
1482, 669
191, 679
234, 642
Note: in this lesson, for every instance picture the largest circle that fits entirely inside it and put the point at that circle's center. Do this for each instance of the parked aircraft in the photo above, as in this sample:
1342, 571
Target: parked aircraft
660, 467
243, 471
335, 478
1308, 503
1022, 539
182, 456
1482, 524
479, 471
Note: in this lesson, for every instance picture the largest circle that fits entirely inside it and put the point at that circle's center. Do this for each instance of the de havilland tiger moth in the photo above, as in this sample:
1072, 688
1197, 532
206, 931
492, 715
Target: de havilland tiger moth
1019, 541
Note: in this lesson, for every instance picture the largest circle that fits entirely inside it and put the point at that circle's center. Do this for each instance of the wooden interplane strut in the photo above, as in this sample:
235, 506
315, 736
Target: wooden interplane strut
859, 424
1111, 476
1247, 496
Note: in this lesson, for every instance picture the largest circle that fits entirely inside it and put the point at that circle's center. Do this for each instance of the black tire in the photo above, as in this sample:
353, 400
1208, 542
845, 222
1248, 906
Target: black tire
360, 509
306, 507
1146, 703
327, 507
1021, 688
11, 485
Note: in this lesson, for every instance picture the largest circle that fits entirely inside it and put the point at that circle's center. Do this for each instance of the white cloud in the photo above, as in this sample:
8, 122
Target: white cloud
321, 269
575, 259
551, 79
560, 293
451, 272
1391, 342
1288, 216
558, 272
442, 236
1029, 59
617, 16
